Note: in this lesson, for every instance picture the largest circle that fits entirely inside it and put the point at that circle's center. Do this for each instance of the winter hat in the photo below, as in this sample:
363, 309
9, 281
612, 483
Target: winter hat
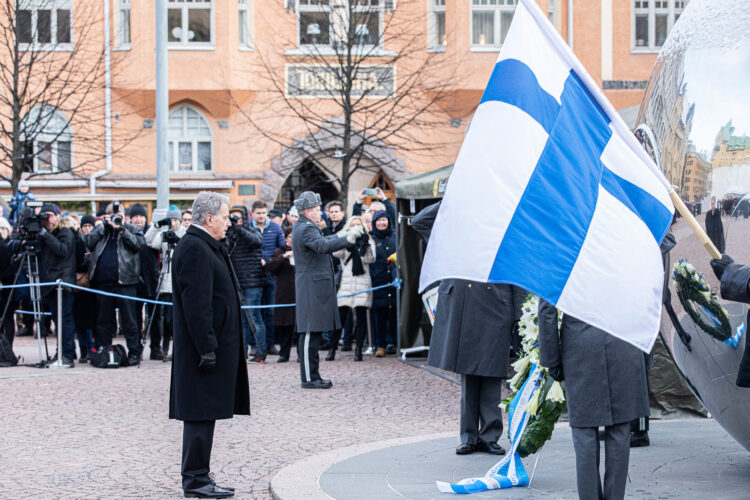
307, 200
275, 212
138, 209
88, 219
5, 224
23, 183
174, 212
50, 207
293, 211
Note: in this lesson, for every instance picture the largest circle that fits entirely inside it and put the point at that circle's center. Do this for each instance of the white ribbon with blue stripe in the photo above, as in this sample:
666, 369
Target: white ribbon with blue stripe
509, 471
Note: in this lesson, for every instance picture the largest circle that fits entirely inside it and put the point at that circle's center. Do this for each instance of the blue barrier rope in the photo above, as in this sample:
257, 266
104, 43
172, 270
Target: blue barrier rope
19, 311
395, 284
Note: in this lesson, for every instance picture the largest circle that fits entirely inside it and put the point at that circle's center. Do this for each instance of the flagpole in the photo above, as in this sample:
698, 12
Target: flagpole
694, 224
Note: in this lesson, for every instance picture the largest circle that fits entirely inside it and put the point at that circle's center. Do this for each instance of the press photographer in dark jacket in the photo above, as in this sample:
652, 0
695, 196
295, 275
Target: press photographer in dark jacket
115, 268
245, 247
57, 260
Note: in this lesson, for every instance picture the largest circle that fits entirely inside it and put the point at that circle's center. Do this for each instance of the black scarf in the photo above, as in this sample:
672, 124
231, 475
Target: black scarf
356, 252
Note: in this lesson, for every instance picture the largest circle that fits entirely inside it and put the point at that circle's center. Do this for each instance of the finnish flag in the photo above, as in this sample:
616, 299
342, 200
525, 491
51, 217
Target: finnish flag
552, 192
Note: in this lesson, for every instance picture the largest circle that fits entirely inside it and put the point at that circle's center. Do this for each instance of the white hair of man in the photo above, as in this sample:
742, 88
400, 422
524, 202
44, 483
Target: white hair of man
207, 202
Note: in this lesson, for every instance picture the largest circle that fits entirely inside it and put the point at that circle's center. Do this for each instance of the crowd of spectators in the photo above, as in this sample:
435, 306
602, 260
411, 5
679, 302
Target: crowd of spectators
119, 252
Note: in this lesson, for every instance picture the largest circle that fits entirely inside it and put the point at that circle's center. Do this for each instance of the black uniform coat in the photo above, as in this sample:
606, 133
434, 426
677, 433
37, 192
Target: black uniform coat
206, 319
317, 310
735, 285
605, 377
473, 322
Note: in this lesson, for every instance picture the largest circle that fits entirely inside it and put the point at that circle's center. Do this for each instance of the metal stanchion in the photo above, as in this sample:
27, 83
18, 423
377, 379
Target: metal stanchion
59, 327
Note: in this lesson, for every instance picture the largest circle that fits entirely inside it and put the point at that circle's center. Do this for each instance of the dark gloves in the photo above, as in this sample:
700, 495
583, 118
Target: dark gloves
556, 372
208, 362
720, 265
165, 222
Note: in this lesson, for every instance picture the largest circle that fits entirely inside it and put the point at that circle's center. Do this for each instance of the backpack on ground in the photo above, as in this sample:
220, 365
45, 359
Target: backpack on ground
113, 356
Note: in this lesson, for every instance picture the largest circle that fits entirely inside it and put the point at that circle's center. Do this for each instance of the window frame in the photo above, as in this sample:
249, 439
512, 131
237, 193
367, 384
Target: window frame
34, 6
497, 9
434, 9
174, 142
316, 9
334, 20
122, 7
673, 11
185, 6
248, 7
56, 129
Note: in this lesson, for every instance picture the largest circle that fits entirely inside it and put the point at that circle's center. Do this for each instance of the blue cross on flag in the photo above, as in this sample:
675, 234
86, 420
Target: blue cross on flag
552, 192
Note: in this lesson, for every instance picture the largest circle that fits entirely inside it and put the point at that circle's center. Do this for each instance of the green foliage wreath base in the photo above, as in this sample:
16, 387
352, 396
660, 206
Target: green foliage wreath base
692, 289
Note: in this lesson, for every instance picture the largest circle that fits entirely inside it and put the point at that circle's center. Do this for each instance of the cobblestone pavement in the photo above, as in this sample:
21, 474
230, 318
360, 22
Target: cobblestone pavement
93, 433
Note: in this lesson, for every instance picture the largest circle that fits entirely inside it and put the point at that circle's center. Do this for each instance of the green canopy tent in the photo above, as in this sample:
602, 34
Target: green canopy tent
412, 195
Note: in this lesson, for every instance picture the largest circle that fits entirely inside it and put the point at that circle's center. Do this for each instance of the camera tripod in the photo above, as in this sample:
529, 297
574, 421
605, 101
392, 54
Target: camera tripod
31, 264
166, 265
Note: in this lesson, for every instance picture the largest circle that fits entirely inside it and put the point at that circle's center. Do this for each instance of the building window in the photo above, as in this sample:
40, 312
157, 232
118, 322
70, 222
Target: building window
318, 24
44, 24
246, 23
490, 21
551, 12
652, 21
437, 24
123, 23
189, 23
48, 140
190, 140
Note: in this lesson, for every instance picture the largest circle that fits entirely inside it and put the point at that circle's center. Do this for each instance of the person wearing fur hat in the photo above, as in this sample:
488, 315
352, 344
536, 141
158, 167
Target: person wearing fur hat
315, 289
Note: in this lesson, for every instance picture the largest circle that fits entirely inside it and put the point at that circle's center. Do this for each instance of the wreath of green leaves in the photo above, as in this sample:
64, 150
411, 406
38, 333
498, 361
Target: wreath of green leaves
693, 290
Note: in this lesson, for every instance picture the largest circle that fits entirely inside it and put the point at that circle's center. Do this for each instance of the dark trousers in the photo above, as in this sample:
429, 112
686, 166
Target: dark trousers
9, 323
106, 324
481, 415
616, 458
161, 326
359, 319
309, 345
347, 325
269, 287
285, 336
384, 319
197, 440
68, 322
335, 335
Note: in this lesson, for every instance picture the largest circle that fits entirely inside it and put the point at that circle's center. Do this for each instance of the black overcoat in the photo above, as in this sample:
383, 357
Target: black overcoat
206, 319
283, 272
315, 289
605, 377
735, 286
473, 322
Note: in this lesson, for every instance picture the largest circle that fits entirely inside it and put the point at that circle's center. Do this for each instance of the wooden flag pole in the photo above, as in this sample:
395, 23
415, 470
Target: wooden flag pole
694, 225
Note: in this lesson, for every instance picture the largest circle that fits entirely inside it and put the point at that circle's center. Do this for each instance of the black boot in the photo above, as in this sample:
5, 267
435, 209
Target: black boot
358, 353
331, 355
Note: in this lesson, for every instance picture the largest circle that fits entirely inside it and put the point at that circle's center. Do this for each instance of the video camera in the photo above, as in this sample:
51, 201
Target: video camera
30, 224
170, 238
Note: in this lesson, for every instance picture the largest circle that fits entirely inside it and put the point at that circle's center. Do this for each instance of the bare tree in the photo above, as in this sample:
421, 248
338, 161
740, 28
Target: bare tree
344, 85
52, 69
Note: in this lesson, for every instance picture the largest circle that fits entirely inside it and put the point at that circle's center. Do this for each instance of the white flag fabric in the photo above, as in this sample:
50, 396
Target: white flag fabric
552, 192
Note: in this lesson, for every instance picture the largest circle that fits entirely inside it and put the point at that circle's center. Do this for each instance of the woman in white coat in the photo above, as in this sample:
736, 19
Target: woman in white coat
355, 277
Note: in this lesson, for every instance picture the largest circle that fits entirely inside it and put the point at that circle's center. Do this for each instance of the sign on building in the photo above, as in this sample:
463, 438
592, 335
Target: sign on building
310, 80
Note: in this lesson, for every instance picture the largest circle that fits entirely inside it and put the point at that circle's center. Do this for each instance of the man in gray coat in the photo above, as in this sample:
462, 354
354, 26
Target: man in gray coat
605, 385
315, 289
471, 336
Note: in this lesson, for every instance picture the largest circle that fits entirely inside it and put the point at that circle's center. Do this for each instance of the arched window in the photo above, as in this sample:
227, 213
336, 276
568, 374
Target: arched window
47, 139
190, 140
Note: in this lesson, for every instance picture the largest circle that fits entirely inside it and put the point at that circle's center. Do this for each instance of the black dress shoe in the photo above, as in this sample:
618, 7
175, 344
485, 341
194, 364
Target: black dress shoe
346, 347
317, 384
209, 491
639, 439
282, 359
272, 351
212, 478
331, 355
466, 449
357, 354
133, 359
491, 448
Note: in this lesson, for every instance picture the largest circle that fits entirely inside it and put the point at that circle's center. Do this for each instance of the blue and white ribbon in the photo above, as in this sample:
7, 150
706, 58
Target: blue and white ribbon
509, 471
734, 340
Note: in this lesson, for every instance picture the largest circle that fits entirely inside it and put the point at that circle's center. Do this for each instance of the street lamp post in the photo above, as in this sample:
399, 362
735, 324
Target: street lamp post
162, 112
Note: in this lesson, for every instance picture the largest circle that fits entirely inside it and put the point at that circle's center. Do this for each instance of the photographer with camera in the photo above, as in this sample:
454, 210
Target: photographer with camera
115, 268
163, 235
245, 249
57, 260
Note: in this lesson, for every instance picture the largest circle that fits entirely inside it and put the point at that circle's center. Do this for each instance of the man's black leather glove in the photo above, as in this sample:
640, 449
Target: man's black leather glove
720, 265
556, 372
208, 362
166, 221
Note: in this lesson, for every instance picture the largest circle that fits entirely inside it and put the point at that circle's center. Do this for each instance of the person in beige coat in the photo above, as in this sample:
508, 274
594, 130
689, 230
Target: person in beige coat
355, 277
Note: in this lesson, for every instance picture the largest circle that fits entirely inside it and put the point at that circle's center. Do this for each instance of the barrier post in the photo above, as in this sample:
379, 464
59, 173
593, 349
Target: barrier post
59, 328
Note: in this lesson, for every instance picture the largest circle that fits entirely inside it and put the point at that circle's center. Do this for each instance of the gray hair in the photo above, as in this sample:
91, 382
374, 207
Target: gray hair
207, 202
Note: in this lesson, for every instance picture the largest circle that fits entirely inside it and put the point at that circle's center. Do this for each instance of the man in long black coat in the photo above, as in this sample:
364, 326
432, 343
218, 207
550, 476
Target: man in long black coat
714, 226
315, 288
209, 373
471, 336
605, 386
735, 286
